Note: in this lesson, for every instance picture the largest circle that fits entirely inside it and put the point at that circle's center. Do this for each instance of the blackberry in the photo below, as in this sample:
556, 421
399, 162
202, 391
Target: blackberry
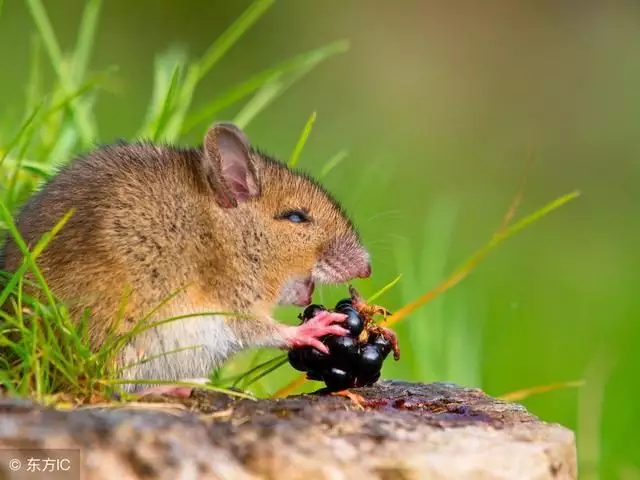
349, 363
370, 360
296, 360
366, 381
345, 302
311, 311
383, 344
314, 359
343, 350
314, 375
337, 379
354, 322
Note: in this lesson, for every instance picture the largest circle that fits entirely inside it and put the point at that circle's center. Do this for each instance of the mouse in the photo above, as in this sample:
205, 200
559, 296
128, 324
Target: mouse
221, 234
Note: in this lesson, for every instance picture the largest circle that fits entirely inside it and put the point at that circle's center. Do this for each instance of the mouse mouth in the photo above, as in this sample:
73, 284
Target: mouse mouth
297, 292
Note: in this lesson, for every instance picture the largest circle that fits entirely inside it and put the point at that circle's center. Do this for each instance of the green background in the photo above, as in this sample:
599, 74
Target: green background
439, 106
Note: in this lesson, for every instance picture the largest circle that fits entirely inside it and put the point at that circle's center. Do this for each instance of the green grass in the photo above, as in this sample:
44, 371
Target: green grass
51, 354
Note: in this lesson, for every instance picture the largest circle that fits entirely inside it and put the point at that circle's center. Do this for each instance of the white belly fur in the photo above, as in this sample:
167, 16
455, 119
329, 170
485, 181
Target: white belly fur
209, 336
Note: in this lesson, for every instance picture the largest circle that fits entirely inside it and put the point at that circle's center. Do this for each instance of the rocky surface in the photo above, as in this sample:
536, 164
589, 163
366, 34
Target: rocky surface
401, 431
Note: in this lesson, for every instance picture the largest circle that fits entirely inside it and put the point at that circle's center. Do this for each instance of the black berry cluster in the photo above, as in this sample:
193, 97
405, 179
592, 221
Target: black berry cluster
354, 359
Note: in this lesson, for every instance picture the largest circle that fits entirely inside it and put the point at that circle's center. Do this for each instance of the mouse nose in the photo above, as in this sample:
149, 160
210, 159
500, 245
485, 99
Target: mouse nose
366, 271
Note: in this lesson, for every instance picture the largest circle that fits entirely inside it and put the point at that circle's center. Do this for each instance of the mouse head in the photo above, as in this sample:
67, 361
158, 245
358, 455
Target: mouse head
299, 231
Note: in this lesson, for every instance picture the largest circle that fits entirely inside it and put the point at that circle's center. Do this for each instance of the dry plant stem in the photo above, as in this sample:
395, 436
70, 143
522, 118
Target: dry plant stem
519, 395
291, 387
463, 272
390, 335
515, 203
367, 312
364, 308
433, 293
501, 234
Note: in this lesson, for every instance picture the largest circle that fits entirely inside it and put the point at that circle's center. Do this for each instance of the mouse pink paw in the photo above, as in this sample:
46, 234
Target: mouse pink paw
177, 391
310, 332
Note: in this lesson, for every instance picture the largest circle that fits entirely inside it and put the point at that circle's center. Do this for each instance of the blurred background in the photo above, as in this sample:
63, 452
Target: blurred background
438, 107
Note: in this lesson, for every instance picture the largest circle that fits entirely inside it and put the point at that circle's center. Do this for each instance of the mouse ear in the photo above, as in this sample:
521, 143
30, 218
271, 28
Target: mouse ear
228, 165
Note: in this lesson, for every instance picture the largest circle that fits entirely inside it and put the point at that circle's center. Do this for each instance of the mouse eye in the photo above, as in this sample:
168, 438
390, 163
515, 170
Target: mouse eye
294, 216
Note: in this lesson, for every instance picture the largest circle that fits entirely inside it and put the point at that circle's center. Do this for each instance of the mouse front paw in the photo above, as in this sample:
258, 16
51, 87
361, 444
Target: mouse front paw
312, 330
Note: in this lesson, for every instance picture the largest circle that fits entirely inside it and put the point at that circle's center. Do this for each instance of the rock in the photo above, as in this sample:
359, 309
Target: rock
401, 431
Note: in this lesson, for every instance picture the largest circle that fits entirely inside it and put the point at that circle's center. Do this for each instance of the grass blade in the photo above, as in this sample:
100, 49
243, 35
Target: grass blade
234, 393
520, 395
439, 228
165, 66
24, 128
30, 257
231, 36
479, 255
212, 56
45, 29
253, 364
13, 181
144, 325
259, 80
41, 19
384, 289
33, 120
278, 85
155, 357
167, 106
90, 85
86, 37
258, 103
290, 387
276, 365
304, 136
35, 75
244, 376
333, 163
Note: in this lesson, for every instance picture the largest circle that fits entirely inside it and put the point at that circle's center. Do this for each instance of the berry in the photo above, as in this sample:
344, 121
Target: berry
370, 361
296, 360
313, 375
383, 344
366, 381
354, 322
343, 350
313, 359
345, 302
337, 379
311, 311
349, 363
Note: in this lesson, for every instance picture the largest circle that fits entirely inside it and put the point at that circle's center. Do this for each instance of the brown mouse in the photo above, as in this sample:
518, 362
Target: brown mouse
227, 227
